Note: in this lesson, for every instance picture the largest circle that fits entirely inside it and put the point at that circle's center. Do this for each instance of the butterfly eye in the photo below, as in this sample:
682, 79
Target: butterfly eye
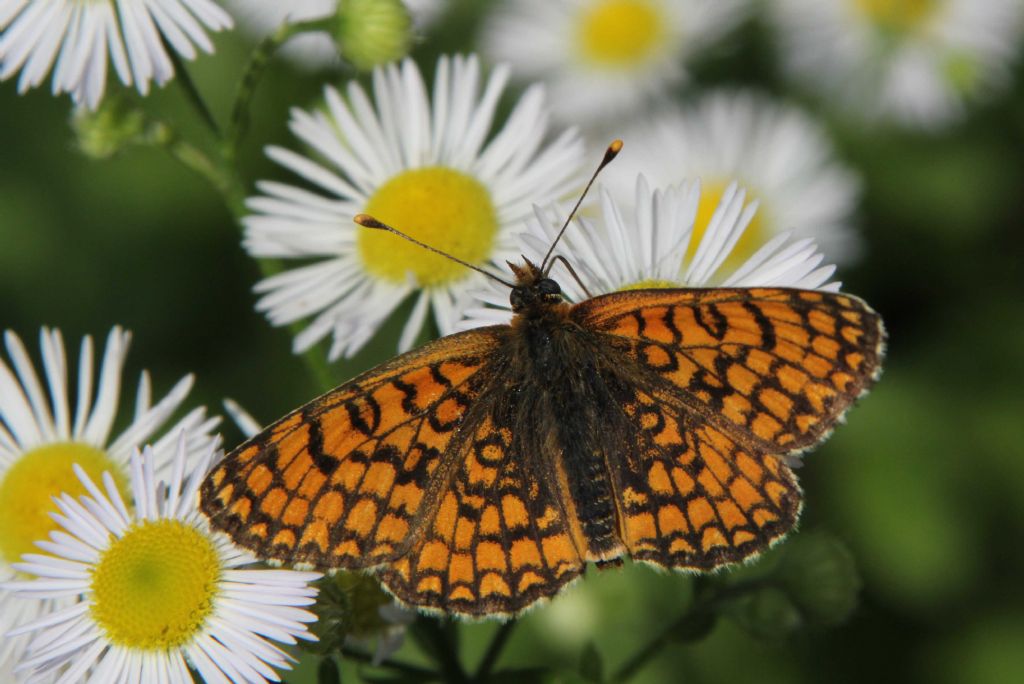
547, 286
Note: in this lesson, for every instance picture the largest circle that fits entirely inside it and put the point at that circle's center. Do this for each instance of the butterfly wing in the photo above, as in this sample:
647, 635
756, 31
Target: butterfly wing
501, 538
778, 367
729, 381
346, 480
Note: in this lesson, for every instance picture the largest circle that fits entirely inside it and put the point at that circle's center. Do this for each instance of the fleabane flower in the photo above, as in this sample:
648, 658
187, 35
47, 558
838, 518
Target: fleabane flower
77, 38
778, 153
377, 20
158, 591
424, 166
603, 59
914, 62
655, 245
43, 437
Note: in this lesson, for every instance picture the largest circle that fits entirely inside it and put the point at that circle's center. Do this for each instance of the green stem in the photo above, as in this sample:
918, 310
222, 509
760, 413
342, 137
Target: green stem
433, 638
163, 135
494, 649
390, 663
184, 79
238, 124
694, 624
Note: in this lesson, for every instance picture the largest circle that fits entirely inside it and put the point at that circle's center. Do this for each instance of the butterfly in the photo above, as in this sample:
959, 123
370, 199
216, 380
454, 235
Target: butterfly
482, 472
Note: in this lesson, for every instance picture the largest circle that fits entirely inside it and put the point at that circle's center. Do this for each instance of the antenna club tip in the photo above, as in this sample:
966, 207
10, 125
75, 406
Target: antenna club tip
367, 221
612, 151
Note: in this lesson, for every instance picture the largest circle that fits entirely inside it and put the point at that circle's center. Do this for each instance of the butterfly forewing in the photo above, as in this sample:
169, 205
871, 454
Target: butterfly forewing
345, 480
773, 368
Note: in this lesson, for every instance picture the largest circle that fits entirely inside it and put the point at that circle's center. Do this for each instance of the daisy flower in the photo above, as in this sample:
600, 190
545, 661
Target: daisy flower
422, 165
158, 591
76, 38
605, 58
262, 17
41, 438
914, 61
780, 154
649, 247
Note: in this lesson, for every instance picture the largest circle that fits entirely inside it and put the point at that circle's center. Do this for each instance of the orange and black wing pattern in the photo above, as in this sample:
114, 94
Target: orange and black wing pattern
348, 479
501, 538
729, 382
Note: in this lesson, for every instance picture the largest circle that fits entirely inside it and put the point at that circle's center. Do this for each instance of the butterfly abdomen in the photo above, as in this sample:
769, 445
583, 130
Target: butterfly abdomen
571, 401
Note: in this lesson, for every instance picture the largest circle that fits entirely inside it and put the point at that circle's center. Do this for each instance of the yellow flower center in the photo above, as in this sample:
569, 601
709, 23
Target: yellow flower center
897, 15
650, 285
28, 488
753, 237
621, 33
154, 587
438, 206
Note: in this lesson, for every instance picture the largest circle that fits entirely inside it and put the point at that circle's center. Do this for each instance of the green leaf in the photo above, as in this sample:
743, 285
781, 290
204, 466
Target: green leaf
820, 577
767, 613
348, 604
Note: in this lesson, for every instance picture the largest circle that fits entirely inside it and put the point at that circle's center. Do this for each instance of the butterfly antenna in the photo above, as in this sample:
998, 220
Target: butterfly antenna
367, 221
609, 154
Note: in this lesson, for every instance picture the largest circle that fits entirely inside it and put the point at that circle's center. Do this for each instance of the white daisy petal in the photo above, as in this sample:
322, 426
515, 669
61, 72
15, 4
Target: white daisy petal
38, 434
604, 59
778, 153
313, 50
246, 612
914, 63
647, 246
74, 39
432, 158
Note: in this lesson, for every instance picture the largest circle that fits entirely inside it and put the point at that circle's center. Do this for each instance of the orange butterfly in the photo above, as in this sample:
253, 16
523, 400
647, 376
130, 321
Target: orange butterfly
483, 471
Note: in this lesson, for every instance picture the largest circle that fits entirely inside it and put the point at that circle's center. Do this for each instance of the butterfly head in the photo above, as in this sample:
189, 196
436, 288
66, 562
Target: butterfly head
533, 289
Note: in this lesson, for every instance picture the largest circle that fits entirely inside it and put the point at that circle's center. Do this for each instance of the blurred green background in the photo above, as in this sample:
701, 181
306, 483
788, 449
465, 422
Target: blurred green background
925, 484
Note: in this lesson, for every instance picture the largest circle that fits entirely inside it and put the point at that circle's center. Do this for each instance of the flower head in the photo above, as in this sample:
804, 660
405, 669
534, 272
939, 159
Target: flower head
384, 21
77, 37
422, 165
914, 62
779, 154
43, 439
159, 592
605, 58
656, 246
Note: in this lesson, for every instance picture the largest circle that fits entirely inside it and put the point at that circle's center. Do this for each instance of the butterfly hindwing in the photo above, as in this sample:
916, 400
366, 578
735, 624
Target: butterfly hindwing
345, 480
501, 538
696, 499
